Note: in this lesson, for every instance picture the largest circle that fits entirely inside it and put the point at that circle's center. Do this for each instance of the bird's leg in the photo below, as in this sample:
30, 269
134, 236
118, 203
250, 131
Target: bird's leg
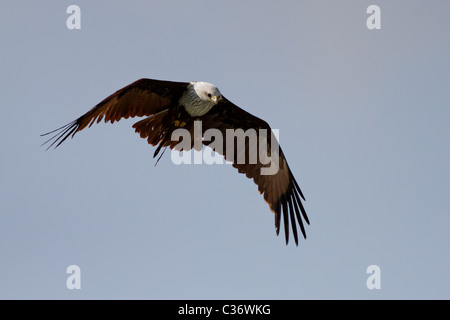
178, 123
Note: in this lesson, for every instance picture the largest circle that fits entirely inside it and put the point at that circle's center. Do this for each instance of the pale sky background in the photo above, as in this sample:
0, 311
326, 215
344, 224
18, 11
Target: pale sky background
363, 118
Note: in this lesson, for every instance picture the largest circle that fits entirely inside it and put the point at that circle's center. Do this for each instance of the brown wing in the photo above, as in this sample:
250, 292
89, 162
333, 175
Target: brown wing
280, 190
143, 97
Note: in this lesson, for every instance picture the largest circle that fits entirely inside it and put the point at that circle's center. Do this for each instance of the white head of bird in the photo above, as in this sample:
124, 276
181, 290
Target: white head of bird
200, 97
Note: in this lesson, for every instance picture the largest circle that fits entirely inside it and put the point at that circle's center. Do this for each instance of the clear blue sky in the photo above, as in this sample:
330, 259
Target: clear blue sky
363, 117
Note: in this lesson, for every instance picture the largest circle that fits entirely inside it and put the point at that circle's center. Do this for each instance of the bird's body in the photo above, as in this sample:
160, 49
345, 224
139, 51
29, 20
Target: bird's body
173, 105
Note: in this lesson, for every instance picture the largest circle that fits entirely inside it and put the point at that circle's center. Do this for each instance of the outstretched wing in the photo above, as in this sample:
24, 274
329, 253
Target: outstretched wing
143, 97
280, 190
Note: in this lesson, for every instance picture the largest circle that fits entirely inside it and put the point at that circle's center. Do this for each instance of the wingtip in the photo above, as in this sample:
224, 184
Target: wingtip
61, 135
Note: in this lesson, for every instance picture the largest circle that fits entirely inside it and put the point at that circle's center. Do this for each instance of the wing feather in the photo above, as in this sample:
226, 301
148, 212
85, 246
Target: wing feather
280, 190
143, 97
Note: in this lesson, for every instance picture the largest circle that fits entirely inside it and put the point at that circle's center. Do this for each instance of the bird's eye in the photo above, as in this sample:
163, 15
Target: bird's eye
209, 95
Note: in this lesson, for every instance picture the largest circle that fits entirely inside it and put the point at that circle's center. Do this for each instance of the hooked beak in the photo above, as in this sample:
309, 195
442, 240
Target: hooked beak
216, 99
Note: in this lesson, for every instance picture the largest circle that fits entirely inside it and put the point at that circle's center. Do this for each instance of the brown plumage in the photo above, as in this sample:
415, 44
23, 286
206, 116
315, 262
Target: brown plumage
165, 104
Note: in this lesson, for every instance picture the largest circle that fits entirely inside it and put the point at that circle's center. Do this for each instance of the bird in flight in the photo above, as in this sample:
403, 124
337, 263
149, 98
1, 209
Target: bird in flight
169, 106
